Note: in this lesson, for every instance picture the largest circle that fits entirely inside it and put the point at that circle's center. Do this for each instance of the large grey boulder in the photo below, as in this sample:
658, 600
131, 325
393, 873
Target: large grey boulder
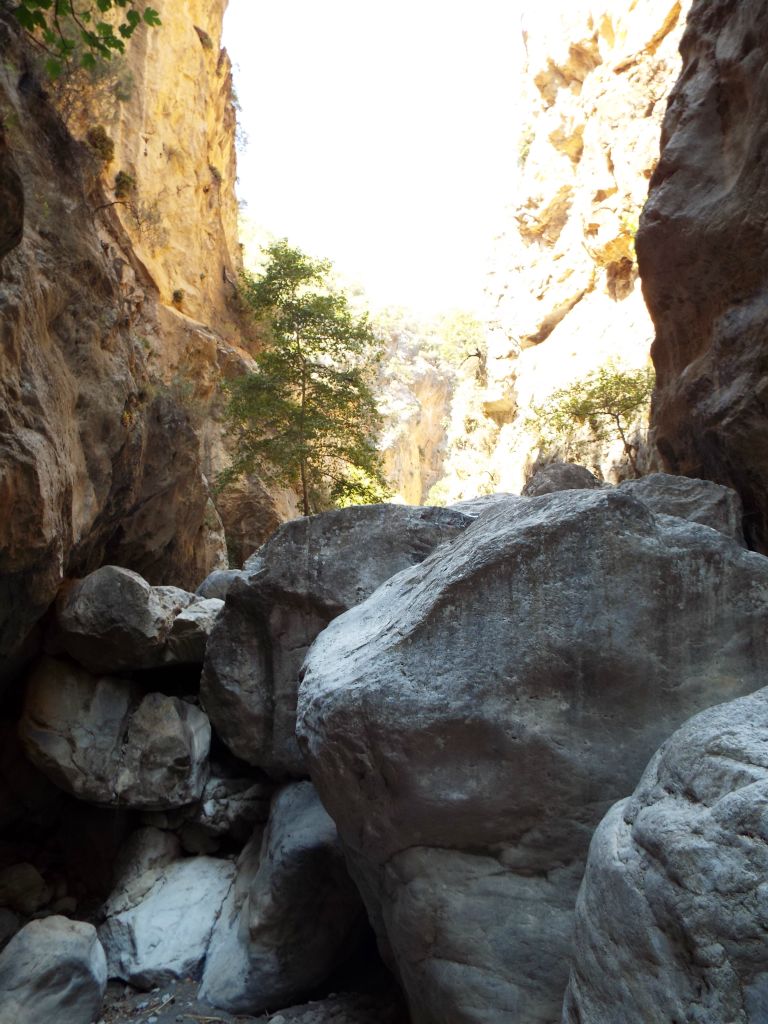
101, 740
471, 722
52, 970
113, 621
699, 501
671, 917
290, 917
311, 570
159, 924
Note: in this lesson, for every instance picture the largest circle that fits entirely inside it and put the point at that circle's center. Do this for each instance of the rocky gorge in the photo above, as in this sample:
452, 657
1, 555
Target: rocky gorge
503, 761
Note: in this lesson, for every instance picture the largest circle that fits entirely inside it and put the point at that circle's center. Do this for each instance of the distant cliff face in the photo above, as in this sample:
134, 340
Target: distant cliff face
564, 293
117, 316
704, 259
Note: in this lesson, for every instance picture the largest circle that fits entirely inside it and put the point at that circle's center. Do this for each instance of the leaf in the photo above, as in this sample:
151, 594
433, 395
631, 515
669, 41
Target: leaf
151, 17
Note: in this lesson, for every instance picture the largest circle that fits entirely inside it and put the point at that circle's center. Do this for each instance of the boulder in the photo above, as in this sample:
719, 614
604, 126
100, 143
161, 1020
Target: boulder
159, 925
560, 476
347, 1008
112, 620
52, 970
699, 501
703, 260
470, 723
312, 570
671, 916
23, 888
474, 507
147, 850
218, 583
99, 739
190, 631
291, 914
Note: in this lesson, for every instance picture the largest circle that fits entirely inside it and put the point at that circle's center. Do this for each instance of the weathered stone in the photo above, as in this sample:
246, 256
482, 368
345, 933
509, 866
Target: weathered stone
52, 970
475, 507
10, 923
699, 501
347, 1008
671, 915
469, 724
113, 620
159, 926
312, 570
11, 201
291, 914
704, 263
23, 888
559, 476
98, 739
190, 631
218, 583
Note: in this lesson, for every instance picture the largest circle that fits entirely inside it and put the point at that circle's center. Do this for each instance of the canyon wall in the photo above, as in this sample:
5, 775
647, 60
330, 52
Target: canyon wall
564, 295
118, 314
704, 261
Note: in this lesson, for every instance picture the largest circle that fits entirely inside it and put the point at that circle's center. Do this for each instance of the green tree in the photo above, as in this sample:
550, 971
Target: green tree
597, 409
71, 31
306, 416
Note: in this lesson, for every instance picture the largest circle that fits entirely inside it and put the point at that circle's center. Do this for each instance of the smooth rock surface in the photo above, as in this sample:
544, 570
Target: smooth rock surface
699, 501
312, 570
703, 261
99, 739
672, 912
291, 914
470, 723
52, 971
158, 927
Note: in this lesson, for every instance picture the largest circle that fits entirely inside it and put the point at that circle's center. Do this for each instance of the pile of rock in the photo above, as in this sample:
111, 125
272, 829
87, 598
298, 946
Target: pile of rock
471, 689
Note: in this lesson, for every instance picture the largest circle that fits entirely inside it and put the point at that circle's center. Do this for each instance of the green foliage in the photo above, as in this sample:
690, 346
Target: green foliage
78, 32
125, 184
600, 408
101, 143
306, 417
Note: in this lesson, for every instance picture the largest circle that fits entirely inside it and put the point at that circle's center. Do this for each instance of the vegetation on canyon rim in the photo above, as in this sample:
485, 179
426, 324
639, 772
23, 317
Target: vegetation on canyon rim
79, 34
597, 409
306, 416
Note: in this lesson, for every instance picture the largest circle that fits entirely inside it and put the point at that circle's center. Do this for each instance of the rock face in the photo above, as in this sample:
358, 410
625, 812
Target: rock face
560, 476
312, 570
563, 296
101, 740
52, 970
703, 261
117, 313
291, 914
159, 926
671, 914
468, 725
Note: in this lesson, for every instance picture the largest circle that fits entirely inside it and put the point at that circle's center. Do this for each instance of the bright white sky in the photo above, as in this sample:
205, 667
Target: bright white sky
383, 136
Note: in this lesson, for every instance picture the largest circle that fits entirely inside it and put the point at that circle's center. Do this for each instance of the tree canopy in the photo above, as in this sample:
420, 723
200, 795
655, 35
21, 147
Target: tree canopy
79, 32
598, 408
306, 416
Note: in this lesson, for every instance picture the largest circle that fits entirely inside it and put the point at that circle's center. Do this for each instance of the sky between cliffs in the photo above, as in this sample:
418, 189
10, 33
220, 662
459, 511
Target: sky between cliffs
382, 136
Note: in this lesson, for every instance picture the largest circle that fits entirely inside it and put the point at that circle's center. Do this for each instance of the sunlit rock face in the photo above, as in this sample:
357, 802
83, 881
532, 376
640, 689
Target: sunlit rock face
564, 295
116, 314
704, 261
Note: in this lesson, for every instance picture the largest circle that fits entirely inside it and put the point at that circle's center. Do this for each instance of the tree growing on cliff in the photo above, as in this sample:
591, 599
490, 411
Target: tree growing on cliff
306, 416
70, 32
597, 409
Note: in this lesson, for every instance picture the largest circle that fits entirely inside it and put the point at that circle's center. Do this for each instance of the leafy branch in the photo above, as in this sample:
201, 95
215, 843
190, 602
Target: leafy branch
70, 31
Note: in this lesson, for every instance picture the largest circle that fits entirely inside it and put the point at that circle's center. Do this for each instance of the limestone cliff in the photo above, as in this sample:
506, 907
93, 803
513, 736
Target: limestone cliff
564, 295
119, 261
704, 261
